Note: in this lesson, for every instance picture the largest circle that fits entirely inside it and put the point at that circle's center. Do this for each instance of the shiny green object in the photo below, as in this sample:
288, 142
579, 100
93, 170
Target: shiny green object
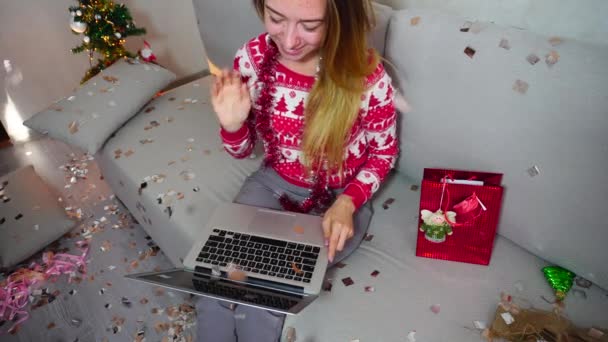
560, 279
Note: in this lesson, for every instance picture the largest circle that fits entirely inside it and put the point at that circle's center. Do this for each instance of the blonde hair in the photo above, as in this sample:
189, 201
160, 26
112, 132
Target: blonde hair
333, 103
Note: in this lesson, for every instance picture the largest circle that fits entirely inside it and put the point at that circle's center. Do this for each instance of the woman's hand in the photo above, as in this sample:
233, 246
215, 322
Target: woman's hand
230, 99
338, 224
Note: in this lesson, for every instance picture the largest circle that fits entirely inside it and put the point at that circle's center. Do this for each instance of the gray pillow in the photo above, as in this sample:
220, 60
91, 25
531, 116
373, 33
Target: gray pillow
30, 216
89, 116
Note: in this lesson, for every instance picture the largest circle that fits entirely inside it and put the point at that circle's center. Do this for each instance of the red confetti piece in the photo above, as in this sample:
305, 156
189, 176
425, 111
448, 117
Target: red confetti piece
348, 281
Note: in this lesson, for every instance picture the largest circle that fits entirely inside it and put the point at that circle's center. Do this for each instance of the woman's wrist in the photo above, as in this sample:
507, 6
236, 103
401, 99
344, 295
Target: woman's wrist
347, 201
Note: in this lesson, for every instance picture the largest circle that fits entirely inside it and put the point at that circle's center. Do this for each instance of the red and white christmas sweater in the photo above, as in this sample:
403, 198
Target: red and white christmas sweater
372, 146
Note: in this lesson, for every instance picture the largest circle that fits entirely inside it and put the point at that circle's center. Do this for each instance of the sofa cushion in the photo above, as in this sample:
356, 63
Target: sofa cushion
95, 110
30, 216
474, 112
221, 37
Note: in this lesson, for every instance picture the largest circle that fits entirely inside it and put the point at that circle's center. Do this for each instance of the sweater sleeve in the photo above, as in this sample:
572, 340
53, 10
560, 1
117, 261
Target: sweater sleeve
380, 126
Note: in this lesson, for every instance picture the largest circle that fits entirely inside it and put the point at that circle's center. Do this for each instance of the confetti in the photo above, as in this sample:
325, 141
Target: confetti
51, 326
110, 79
235, 273
187, 175
436, 308
149, 109
411, 336
520, 86
552, 58
196, 189
348, 281
479, 325
129, 153
504, 43
595, 333
290, 336
375, 273
507, 317
532, 59
126, 302
370, 289
295, 268
555, 41
582, 282
298, 229
108, 306
172, 99
466, 26
534, 171
469, 51
327, 285
106, 246
144, 301
340, 265
73, 127
415, 21
368, 237
72, 292
71, 98
387, 203
146, 141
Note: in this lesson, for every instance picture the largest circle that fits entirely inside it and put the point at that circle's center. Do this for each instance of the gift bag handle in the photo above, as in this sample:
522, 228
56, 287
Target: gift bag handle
445, 190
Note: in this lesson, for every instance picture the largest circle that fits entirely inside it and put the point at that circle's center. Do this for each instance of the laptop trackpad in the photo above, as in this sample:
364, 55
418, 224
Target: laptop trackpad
272, 222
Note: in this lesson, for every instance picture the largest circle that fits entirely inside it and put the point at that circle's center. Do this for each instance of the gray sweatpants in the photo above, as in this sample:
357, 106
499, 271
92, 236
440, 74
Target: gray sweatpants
220, 321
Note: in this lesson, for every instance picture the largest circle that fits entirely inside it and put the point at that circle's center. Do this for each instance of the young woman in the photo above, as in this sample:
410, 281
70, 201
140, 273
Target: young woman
323, 105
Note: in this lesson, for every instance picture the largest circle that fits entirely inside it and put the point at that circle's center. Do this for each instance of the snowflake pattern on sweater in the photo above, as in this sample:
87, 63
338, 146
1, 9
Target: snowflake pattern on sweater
372, 147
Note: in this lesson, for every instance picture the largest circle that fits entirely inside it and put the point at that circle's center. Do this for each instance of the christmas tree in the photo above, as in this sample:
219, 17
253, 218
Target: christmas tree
105, 26
560, 280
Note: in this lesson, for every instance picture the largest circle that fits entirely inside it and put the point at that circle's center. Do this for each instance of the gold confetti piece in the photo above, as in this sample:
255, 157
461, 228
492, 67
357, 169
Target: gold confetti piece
73, 127
159, 291
171, 163
296, 268
187, 175
235, 273
180, 196
129, 153
415, 21
180, 108
51, 326
504, 43
169, 119
298, 229
106, 246
103, 90
110, 79
532, 59
552, 58
520, 86
555, 41
184, 159
469, 51
134, 264
144, 301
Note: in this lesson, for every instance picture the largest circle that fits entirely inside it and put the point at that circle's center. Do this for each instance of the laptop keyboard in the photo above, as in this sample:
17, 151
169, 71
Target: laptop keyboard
245, 295
256, 254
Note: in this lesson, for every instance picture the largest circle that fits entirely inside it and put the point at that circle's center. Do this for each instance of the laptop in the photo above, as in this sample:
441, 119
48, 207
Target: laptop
281, 253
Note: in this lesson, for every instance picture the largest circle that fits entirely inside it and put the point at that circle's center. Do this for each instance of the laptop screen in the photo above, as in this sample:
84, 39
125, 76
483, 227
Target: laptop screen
225, 289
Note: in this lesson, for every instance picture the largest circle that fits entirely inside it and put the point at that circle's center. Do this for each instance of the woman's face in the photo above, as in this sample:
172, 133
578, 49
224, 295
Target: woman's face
297, 27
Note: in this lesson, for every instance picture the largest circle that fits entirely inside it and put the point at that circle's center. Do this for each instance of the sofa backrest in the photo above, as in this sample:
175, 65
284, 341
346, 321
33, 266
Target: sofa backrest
467, 115
228, 24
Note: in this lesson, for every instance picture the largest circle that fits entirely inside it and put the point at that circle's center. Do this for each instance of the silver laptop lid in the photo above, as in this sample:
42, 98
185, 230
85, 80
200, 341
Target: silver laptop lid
254, 292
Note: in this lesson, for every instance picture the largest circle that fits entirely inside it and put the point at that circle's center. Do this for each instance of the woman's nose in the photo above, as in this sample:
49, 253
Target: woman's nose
292, 39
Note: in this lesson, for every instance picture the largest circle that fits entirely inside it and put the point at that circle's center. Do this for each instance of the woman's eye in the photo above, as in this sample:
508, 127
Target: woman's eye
274, 20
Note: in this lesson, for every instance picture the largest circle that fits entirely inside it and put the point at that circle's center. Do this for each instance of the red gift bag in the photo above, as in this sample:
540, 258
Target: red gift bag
459, 213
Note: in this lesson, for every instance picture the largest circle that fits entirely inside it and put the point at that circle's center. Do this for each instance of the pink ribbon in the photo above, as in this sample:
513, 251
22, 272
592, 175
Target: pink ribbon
14, 295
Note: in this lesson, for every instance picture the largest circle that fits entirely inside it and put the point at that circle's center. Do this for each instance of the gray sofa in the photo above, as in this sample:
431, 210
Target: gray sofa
549, 141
